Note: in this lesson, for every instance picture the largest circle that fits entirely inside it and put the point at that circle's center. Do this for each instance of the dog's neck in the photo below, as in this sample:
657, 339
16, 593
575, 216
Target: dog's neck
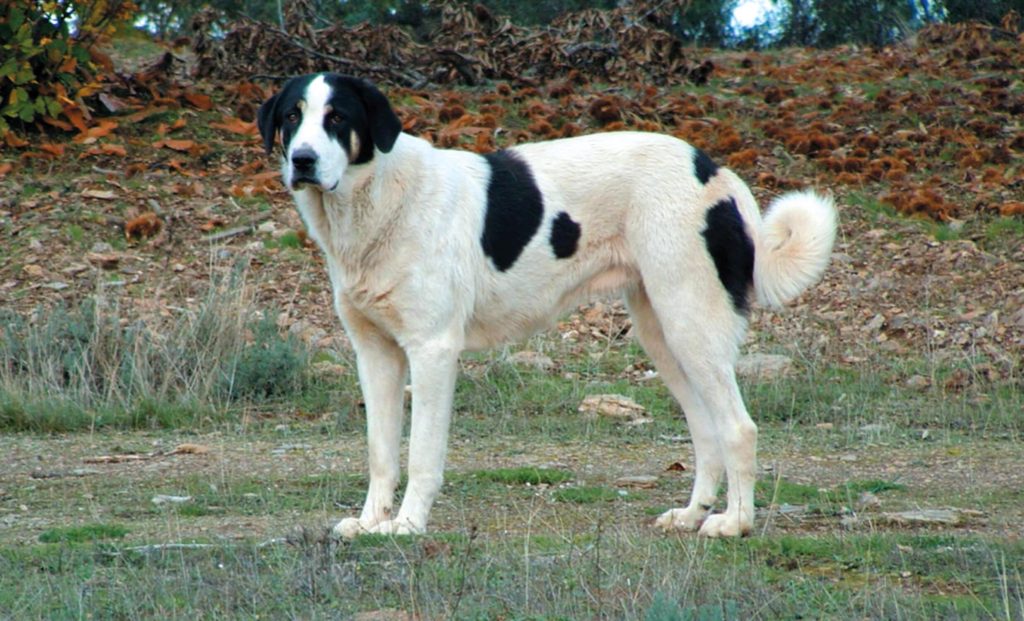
349, 224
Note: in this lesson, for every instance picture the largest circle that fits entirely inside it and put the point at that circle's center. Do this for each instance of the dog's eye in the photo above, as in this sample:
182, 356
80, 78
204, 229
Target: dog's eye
292, 117
335, 118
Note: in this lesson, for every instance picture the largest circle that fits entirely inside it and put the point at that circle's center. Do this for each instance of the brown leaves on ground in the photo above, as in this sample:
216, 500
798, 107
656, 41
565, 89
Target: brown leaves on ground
469, 45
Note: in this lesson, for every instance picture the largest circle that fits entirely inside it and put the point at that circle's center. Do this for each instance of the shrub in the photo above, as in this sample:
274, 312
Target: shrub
49, 59
92, 366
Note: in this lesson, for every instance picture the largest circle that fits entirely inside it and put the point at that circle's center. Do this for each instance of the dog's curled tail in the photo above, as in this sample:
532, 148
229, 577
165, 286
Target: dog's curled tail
794, 245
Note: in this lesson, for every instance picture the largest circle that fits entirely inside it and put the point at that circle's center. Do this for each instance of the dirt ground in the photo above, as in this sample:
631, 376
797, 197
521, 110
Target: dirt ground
52, 482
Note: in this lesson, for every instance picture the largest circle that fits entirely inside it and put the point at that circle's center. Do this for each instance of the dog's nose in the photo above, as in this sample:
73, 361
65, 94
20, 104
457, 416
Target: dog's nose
304, 160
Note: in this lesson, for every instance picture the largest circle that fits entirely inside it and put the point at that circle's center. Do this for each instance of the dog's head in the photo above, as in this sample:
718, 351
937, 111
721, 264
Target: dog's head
327, 122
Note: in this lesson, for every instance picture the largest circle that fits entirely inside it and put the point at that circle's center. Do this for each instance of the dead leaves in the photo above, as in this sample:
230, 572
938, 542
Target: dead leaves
143, 226
468, 46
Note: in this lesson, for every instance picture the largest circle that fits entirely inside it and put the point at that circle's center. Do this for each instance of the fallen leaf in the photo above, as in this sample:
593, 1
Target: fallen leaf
14, 141
175, 144
92, 134
56, 150
236, 125
145, 113
213, 223
198, 100
106, 149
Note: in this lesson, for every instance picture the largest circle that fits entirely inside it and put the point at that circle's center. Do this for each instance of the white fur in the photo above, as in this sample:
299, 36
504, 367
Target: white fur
401, 237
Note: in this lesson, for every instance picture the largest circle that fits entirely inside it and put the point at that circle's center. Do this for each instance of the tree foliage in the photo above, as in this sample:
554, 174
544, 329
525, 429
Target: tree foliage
49, 63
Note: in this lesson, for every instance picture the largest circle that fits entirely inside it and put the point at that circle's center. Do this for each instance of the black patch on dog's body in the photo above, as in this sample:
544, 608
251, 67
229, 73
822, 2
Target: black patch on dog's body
515, 208
565, 235
703, 166
731, 249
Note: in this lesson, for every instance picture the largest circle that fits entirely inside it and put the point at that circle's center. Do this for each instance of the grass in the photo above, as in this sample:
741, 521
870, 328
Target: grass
91, 367
609, 573
83, 534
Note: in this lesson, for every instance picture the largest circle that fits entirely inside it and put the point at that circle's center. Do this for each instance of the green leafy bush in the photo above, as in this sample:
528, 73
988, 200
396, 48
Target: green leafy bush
270, 367
49, 61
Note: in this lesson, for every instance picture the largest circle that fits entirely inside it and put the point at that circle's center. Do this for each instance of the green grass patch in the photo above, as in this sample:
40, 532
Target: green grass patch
780, 491
586, 495
525, 475
83, 534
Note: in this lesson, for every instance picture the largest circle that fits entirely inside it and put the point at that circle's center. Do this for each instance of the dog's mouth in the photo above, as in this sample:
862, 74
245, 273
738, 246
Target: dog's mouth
307, 181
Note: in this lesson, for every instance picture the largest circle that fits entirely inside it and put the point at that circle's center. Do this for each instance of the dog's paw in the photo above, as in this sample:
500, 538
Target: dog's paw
349, 528
689, 518
398, 526
727, 525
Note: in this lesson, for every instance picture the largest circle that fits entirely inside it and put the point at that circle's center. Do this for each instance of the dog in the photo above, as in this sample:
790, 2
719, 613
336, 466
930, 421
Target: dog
431, 252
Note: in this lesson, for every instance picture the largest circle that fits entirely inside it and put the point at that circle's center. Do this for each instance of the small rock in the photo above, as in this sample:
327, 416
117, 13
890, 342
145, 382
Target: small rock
918, 382
876, 323
926, 517
57, 285
75, 269
104, 260
286, 448
612, 406
163, 499
763, 366
867, 500
307, 333
533, 359
385, 614
792, 510
101, 248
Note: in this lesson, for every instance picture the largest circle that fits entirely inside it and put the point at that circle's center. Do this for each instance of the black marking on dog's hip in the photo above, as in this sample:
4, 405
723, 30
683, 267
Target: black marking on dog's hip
514, 209
565, 235
703, 166
731, 249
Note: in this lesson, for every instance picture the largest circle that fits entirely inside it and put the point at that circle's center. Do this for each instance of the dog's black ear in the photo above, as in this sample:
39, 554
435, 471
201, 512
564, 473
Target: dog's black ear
266, 120
384, 123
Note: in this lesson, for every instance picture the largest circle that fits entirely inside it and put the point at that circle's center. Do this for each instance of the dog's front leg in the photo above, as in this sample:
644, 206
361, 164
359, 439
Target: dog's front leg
382, 368
433, 368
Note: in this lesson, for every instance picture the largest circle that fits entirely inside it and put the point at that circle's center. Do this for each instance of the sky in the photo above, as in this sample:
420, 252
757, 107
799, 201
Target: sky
749, 12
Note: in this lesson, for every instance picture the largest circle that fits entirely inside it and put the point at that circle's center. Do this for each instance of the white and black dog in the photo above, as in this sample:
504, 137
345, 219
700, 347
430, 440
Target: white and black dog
431, 252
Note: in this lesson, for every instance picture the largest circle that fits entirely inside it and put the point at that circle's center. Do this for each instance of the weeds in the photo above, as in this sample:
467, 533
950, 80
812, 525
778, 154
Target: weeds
92, 367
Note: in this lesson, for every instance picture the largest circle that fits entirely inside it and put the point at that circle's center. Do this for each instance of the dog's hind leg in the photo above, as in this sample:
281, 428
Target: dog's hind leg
707, 453
702, 330
382, 369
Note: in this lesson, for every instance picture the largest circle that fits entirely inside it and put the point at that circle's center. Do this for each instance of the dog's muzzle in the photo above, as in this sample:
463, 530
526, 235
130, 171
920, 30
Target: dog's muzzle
304, 167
